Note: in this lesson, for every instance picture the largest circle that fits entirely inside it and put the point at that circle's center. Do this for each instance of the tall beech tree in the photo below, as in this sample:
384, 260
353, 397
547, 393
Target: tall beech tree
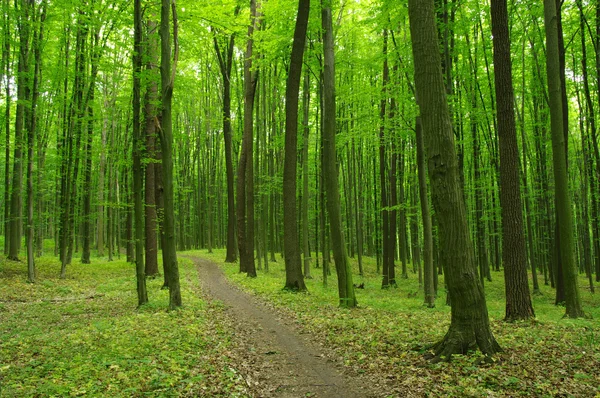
342, 264
24, 9
245, 181
225, 58
151, 122
167, 76
294, 280
469, 326
138, 175
559, 161
518, 299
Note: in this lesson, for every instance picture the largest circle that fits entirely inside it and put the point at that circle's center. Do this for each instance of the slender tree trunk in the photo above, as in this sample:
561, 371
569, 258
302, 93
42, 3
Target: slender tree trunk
23, 93
151, 122
294, 279
428, 271
306, 129
388, 234
6, 58
87, 177
167, 73
561, 184
31, 138
346, 294
138, 174
245, 181
225, 63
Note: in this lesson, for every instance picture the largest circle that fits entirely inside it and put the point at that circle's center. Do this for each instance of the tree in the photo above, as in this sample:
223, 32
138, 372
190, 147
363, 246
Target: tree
138, 175
225, 58
151, 119
294, 280
23, 93
167, 74
38, 37
469, 326
342, 265
559, 161
245, 182
518, 299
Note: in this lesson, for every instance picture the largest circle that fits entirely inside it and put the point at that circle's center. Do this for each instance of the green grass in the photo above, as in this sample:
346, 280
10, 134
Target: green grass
546, 357
83, 336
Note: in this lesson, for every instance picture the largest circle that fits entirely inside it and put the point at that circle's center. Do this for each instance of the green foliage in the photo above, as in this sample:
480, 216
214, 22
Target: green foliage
83, 337
388, 335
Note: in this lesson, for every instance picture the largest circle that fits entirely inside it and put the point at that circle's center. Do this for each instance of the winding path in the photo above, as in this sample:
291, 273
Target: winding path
276, 360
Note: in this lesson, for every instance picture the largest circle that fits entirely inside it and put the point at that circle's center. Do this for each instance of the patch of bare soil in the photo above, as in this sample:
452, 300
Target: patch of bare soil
270, 352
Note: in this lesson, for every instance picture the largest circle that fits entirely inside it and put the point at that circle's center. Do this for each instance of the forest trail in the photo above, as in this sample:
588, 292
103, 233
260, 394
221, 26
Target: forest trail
276, 360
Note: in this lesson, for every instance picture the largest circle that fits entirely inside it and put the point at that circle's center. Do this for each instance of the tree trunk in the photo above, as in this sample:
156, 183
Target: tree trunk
245, 182
469, 327
225, 64
167, 74
559, 156
294, 280
346, 294
151, 121
306, 129
138, 174
428, 271
6, 58
23, 93
514, 257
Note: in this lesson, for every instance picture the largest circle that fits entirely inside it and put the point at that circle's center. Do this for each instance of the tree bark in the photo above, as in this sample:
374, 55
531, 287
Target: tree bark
225, 59
245, 181
469, 327
559, 156
343, 268
294, 280
138, 175
167, 73
151, 122
514, 257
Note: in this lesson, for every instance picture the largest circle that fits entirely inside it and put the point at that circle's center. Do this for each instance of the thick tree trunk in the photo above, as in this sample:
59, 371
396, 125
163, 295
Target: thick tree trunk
469, 327
294, 280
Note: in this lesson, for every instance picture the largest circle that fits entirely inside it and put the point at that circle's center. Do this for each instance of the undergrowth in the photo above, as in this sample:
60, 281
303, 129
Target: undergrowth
83, 336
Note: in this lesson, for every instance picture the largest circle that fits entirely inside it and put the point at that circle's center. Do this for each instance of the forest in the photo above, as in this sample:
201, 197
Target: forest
381, 198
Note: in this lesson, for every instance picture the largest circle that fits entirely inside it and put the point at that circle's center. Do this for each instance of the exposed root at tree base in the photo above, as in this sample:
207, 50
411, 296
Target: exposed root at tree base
457, 343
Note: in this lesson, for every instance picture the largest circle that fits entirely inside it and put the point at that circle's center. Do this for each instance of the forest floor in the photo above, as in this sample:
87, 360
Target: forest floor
384, 340
246, 337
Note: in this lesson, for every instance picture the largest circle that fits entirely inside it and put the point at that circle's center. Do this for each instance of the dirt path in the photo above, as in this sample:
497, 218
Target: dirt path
276, 360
